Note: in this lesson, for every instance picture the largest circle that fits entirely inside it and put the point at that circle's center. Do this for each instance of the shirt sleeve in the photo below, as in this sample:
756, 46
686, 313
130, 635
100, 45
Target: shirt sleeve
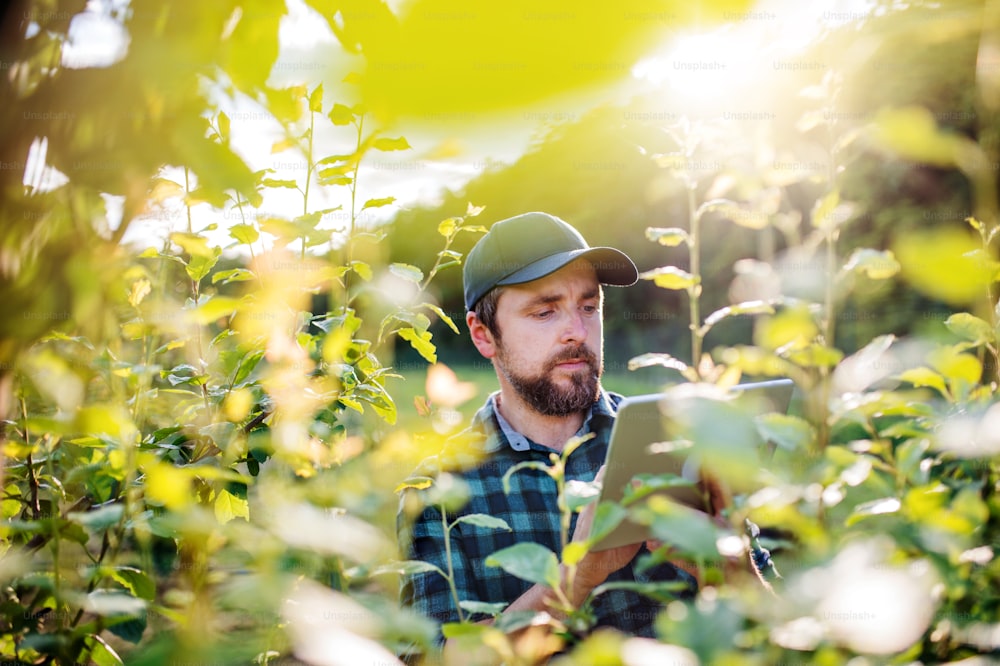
428, 592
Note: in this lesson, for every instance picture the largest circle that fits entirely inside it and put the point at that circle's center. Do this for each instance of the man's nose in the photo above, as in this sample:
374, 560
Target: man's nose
575, 328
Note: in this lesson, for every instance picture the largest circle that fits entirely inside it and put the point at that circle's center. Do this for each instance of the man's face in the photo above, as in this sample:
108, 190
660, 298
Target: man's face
551, 344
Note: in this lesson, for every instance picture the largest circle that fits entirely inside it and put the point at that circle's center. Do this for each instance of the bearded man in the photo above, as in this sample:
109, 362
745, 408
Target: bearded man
533, 291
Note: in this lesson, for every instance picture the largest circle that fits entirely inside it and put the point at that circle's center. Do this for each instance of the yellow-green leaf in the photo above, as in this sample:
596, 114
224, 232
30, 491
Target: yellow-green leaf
670, 277
970, 328
229, 506
923, 376
421, 342
937, 262
215, 308
873, 263
407, 272
670, 237
912, 133
447, 227
387, 144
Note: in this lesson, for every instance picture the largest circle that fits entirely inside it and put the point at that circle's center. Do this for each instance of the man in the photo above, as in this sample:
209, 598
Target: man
533, 291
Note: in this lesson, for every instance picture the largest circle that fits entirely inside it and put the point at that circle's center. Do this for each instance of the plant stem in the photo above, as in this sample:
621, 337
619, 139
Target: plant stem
451, 568
694, 291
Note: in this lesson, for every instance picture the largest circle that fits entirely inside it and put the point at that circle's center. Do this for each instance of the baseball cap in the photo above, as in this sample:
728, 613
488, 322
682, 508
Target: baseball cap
532, 245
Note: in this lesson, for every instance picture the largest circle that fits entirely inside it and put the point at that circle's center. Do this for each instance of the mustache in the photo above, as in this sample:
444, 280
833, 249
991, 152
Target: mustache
579, 352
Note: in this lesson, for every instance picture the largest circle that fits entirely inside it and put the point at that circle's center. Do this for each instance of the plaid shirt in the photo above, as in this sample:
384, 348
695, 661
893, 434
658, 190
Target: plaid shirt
531, 511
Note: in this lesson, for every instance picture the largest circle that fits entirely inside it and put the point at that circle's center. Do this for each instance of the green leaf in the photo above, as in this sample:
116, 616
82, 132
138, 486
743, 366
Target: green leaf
363, 270
407, 272
229, 506
421, 343
224, 126
415, 482
378, 203
528, 561
606, 518
233, 275
971, 328
660, 591
464, 629
193, 244
135, 581
99, 519
484, 521
386, 144
443, 316
789, 432
874, 264
244, 233
670, 277
102, 654
670, 237
483, 607
739, 214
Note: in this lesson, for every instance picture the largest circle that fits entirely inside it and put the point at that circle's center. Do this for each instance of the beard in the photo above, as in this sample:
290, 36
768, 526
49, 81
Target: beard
551, 399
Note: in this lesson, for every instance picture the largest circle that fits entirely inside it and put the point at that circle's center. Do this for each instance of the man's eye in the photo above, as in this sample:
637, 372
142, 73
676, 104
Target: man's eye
590, 308
543, 314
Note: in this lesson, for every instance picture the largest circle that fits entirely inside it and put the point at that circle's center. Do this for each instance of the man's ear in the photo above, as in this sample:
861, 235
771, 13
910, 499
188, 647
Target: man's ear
482, 337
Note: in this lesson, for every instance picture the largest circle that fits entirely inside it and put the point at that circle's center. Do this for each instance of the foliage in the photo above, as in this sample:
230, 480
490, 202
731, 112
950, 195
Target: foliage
200, 462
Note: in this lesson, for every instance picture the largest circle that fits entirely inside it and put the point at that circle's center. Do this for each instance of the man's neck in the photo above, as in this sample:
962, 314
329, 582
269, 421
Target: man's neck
550, 431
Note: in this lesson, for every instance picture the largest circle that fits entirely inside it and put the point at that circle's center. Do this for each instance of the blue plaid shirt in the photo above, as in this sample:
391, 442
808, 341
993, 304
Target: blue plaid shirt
531, 511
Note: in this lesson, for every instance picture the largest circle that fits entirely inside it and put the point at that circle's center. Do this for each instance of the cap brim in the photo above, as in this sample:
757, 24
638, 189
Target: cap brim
613, 267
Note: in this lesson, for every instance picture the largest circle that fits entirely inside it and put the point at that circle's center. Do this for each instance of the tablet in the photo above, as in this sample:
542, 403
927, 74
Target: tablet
647, 439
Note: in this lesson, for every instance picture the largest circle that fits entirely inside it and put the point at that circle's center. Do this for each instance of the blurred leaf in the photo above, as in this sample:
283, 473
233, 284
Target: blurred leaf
936, 262
233, 275
528, 561
873, 508
407, 568
664, 592
386, 144
953, 364
745, 308
215, 308
102, 654
912, 133
670, 237
447, 227
407, 272
789, 432
924, 376
484, 521
378, 203
341, 115
99, 519
665, 360
874, 264
244, 233
135, 581
316, 99
483, 607
670, 277
421, 343
790, 328
971, 328
607, 517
